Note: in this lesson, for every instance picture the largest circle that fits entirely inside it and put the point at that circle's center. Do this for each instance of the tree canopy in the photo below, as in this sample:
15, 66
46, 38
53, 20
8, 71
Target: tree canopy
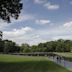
10, 8
1, 35
8, 46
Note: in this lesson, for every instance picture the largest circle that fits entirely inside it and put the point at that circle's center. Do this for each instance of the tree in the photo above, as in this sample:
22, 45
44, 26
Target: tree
41, 47
34, 48
49, 46
10, 8
1, 45
10, 47
60, 45
67, 45
1, 42
25, 48
0, 35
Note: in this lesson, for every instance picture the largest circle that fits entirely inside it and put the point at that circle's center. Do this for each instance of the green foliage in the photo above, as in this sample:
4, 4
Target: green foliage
10, 8
60, 45
8, 46
1, 45
34, 48
1, 35
53, 46
25, 48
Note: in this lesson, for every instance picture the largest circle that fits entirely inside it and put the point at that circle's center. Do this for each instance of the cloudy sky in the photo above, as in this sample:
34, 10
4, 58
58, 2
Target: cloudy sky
40, 21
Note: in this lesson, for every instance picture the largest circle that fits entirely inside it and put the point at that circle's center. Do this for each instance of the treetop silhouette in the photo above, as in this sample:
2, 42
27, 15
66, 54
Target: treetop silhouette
10, 8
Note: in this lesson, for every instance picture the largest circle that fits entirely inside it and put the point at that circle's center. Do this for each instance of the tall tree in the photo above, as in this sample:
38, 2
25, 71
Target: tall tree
1, 46
10, 8
1, 35
10, 47
25, 48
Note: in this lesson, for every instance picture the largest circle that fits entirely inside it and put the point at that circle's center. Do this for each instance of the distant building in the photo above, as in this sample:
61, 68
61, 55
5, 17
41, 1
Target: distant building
1, 34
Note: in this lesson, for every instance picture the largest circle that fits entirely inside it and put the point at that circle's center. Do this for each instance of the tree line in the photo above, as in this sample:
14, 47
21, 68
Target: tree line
8, 46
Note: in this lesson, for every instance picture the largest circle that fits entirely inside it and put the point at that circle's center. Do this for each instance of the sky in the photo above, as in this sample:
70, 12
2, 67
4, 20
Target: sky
40, 21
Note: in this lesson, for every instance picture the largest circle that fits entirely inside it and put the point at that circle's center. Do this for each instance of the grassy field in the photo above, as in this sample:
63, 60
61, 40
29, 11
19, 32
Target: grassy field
68, 55
10, 63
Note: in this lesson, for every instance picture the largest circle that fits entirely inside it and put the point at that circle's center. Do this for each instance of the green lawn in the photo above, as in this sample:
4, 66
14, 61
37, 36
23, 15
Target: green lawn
10, 63
68, 55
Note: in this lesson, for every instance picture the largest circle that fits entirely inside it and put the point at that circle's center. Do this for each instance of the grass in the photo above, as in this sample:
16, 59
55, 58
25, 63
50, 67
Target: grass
11, 63
67, 55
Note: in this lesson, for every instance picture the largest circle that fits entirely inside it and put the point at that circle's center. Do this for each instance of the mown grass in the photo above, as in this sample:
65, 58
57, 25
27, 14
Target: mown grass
66, 54
10, 63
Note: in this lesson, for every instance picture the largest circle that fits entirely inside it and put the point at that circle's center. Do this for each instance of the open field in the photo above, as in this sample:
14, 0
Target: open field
67, 55
11, 63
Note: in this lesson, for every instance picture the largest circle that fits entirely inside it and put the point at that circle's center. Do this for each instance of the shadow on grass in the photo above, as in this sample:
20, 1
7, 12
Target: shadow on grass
31, 66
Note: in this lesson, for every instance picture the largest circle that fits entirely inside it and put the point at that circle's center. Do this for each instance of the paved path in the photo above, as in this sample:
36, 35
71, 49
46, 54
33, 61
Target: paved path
64, 63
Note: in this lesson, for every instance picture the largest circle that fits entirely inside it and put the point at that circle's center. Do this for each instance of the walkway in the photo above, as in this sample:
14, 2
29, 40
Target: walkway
64, 63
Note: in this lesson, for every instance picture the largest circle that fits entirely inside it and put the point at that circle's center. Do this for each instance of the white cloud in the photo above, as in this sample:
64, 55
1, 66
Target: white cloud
62, 37
17, 32
71, 2
23, 17
68, 25
51, 6
23, 35
47, 5
39, 1
34, 36
3, 24
42, 22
